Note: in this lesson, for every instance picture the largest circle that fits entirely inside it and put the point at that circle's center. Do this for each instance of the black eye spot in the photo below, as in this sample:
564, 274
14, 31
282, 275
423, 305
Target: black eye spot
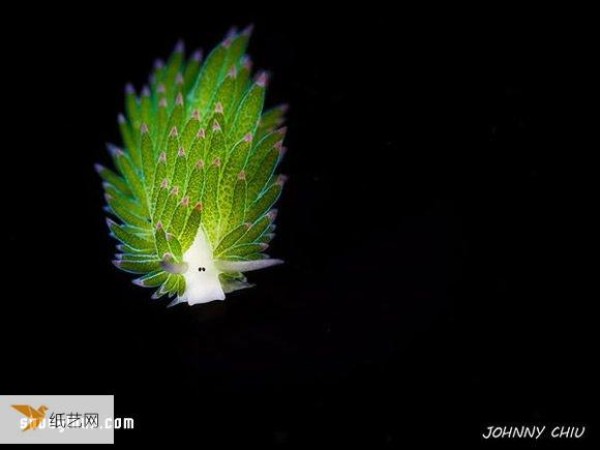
201, 269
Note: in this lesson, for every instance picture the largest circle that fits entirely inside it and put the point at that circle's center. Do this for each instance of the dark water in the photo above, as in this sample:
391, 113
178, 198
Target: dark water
434, 228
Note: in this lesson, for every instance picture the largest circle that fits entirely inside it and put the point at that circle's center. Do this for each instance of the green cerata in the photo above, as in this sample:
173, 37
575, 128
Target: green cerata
192, 191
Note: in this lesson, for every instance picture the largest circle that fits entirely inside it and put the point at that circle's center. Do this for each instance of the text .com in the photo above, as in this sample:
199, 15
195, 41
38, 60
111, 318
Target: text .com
109, 423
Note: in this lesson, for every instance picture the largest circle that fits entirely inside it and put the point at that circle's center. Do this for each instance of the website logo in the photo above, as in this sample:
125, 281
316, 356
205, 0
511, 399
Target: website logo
60, 419
35, 416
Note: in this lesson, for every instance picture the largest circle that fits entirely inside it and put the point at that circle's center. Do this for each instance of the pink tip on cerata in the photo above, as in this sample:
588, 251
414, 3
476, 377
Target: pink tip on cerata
216, 126
185, 201
143, 128
117, 263
282, 151
247, 225
284, 107
200, 164
196, 114
197, 55
217, 162
246, 62
179, 79
110, 222
241, 175
175, 190
263, 246
121, 119
179, 46
98, 168
138, 282
174, 132
232, 73
181, 152
248, 137
161, 89
179, 99
227, 41
164, 183
159, 225
281, 179
146, 91
198, 206
248, 30
162, 103
272, 215
129, 89
114, 150
219, 108
162, 158
158, 64
278, 145
262, 79
201, 134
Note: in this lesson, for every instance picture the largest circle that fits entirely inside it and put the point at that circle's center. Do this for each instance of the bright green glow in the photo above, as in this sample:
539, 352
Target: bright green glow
195, 182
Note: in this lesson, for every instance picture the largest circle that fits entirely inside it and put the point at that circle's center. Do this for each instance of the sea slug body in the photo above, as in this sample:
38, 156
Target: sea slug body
190, 199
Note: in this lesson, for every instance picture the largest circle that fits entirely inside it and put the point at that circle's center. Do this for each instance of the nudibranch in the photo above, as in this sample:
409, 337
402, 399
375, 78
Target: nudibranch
194, 183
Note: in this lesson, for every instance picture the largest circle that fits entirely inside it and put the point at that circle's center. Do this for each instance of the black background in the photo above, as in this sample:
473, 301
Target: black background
434, 228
